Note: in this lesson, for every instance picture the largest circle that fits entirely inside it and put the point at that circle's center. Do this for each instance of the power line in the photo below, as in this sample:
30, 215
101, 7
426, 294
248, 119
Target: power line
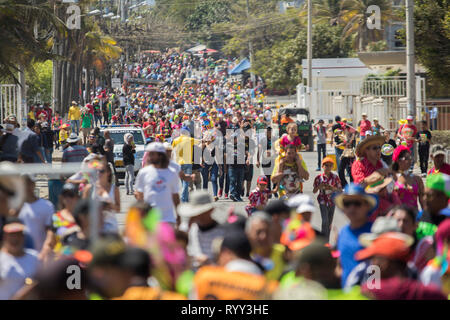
264, 23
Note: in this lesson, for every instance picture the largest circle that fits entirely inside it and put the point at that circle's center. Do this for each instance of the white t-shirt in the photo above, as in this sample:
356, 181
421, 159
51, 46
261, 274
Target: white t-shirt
175, 167
268, 115
37, 216
158, 186
14, 271
122, 101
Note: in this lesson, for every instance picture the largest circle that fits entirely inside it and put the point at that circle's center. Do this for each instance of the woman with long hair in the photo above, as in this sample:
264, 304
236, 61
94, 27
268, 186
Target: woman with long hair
128, 151
104, 189
409, 186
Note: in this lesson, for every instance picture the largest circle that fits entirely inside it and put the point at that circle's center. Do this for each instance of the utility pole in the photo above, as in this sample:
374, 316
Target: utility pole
309, 55
250, 48
410, 59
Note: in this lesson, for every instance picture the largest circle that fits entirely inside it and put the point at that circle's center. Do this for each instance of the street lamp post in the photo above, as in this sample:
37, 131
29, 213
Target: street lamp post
309, 54
250, 48
410, 59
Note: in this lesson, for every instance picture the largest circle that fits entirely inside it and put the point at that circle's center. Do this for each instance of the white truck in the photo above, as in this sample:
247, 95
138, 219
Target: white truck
117, 133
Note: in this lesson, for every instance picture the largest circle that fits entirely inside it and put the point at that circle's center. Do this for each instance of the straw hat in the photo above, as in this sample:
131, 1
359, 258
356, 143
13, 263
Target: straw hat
369, 141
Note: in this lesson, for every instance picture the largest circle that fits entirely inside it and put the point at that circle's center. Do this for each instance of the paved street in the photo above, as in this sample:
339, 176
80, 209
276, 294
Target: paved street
223, 206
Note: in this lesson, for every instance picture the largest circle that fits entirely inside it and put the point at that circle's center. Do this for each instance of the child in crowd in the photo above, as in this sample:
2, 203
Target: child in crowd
259, 197
291, 138
326, 183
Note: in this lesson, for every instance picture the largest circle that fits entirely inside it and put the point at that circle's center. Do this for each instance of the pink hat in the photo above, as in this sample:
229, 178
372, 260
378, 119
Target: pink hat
398, 151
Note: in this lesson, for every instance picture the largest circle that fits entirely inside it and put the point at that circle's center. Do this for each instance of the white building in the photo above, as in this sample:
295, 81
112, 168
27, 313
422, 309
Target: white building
330, 78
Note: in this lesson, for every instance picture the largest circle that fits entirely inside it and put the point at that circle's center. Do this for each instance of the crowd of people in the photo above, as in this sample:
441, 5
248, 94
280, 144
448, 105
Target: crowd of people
203, 126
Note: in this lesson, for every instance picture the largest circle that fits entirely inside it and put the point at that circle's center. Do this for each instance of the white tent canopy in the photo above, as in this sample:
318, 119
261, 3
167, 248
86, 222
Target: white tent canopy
198, 48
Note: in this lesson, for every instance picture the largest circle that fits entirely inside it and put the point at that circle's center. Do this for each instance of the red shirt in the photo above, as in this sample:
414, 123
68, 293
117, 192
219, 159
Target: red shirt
91, 108
41, 111
151, 131
364, 126
396, 288
362, 168
444, 169
384, 205
408, 131
257, 198
324, 196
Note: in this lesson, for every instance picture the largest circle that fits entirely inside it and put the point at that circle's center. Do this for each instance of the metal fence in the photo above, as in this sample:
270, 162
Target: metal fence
9, 101
381, 97
437, 116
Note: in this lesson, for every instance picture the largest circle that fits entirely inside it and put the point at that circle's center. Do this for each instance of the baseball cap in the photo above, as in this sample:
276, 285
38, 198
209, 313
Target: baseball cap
156, 147
437, 149
306, 207
262, 180
409, 117
69, 189
316, 254
327, 160
392, 245
299, 199
363, 114
439, 182
13, 225
380, 226
276, 207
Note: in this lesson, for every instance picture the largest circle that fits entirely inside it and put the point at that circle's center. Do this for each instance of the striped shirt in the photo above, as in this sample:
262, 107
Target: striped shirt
74, 154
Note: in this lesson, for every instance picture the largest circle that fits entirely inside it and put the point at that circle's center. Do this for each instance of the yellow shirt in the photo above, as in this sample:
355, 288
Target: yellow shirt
31, 115
183, 147
74, 113
63, 135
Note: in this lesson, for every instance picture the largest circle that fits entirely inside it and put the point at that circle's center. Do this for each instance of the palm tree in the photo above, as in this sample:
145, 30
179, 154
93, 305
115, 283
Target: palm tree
354, 16
324, 11
25, 30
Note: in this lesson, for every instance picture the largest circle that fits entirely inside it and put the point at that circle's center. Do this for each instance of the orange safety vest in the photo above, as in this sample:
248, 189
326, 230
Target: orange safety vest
216, 283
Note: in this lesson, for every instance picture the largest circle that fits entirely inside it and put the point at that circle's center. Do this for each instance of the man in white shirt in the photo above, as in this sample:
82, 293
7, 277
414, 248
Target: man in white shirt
268, 115
157, 184
16, 263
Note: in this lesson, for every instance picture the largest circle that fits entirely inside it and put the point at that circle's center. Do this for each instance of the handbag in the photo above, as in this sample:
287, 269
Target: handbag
348, 153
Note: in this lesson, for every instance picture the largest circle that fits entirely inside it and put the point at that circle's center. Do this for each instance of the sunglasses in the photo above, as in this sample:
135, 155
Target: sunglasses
349, 203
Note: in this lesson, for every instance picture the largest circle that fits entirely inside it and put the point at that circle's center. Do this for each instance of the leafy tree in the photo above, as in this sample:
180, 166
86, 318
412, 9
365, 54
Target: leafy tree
39, 81
354, 17
376, 46
280, 65
206, 15
432, 38
20, 44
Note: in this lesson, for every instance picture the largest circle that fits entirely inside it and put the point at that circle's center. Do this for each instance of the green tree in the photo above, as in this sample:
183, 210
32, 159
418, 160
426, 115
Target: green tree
280, 65
206, 15
432, 38
354, 17
324, 11
25, 28
39, 81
